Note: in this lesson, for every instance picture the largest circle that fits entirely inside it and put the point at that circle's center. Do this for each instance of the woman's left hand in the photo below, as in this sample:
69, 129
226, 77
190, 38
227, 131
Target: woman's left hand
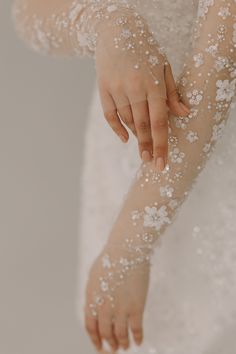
114, 317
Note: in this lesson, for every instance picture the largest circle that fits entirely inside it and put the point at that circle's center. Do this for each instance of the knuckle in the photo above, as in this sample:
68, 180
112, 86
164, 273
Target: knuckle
135, 85
143, 125
159, 148
137, 330
121, 335
127, 120
136, 91
90, 329
145, 145
110, 117
106, 335
159, 151
161, 121
134, 78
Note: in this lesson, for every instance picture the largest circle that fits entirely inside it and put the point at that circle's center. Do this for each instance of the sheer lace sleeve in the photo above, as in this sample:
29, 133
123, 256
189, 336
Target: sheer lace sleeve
72, 27
76, 27
207, 85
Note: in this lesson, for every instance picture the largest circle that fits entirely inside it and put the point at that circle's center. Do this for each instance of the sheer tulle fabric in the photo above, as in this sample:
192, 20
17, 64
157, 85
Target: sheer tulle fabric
207, 84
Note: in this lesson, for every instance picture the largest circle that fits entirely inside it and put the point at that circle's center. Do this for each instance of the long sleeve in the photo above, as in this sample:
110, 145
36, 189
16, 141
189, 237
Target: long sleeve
69, 28
207, 85
63, 28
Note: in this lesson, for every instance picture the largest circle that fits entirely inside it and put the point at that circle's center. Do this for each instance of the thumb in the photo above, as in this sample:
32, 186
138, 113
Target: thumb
173, 101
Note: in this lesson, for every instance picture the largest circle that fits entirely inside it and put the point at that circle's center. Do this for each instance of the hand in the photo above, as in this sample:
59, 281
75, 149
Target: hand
113, 317
136, 84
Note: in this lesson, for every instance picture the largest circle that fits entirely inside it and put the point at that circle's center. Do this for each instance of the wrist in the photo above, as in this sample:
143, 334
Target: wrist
119, 26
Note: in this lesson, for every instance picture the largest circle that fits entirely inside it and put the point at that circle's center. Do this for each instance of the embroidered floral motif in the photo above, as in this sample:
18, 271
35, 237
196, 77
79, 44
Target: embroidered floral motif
204, 6
198, 58
221, 63
177, 156
173, 204
207, 147
192, 136
218, 131
207, 84
106, 261
218, 116
156, 218
224, 12
166, 191
195, 97
153, 60
225, 90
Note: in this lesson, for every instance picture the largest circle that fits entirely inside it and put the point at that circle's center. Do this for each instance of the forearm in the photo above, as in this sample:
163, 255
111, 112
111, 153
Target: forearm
65, 28
207, 86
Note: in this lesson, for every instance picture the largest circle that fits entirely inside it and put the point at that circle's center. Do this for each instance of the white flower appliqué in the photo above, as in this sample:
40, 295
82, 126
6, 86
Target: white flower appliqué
192, 136
225, 90
106, 261
156, 218
166, 191
173, 204
198, 59
203, 7
195, 97
177, 156
224, 12
218, 131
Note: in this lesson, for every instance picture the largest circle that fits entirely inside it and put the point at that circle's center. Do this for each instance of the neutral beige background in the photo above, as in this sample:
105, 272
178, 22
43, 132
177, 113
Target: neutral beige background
43, 105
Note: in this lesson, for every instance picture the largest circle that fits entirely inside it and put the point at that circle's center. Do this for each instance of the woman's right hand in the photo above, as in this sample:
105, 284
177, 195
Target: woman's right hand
136, 85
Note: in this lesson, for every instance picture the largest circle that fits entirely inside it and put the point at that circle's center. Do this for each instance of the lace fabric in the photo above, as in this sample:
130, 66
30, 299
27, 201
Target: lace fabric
207, 84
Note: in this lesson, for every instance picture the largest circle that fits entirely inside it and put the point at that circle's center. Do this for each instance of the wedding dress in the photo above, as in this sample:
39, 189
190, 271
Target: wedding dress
191, 305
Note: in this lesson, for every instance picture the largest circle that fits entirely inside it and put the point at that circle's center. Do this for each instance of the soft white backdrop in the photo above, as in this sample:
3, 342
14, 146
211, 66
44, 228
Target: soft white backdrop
43, 109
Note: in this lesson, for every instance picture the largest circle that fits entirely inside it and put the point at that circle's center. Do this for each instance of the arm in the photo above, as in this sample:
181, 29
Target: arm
64, 28
130, 65
207, 85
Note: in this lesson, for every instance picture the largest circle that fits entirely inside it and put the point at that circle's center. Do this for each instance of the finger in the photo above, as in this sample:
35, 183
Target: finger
159, 129
136, 326
121, 331
123, 108
110, 113
126, 116
143, 128
91, 325
106, 329
173, 100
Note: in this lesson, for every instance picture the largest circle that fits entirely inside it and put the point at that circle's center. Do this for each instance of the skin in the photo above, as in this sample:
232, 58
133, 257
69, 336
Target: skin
128, 307
122, 91
131, 100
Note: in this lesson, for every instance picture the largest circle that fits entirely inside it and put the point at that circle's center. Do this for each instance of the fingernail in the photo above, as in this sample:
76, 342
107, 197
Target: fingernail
123, 138
185, 109
160, 164
146, 156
